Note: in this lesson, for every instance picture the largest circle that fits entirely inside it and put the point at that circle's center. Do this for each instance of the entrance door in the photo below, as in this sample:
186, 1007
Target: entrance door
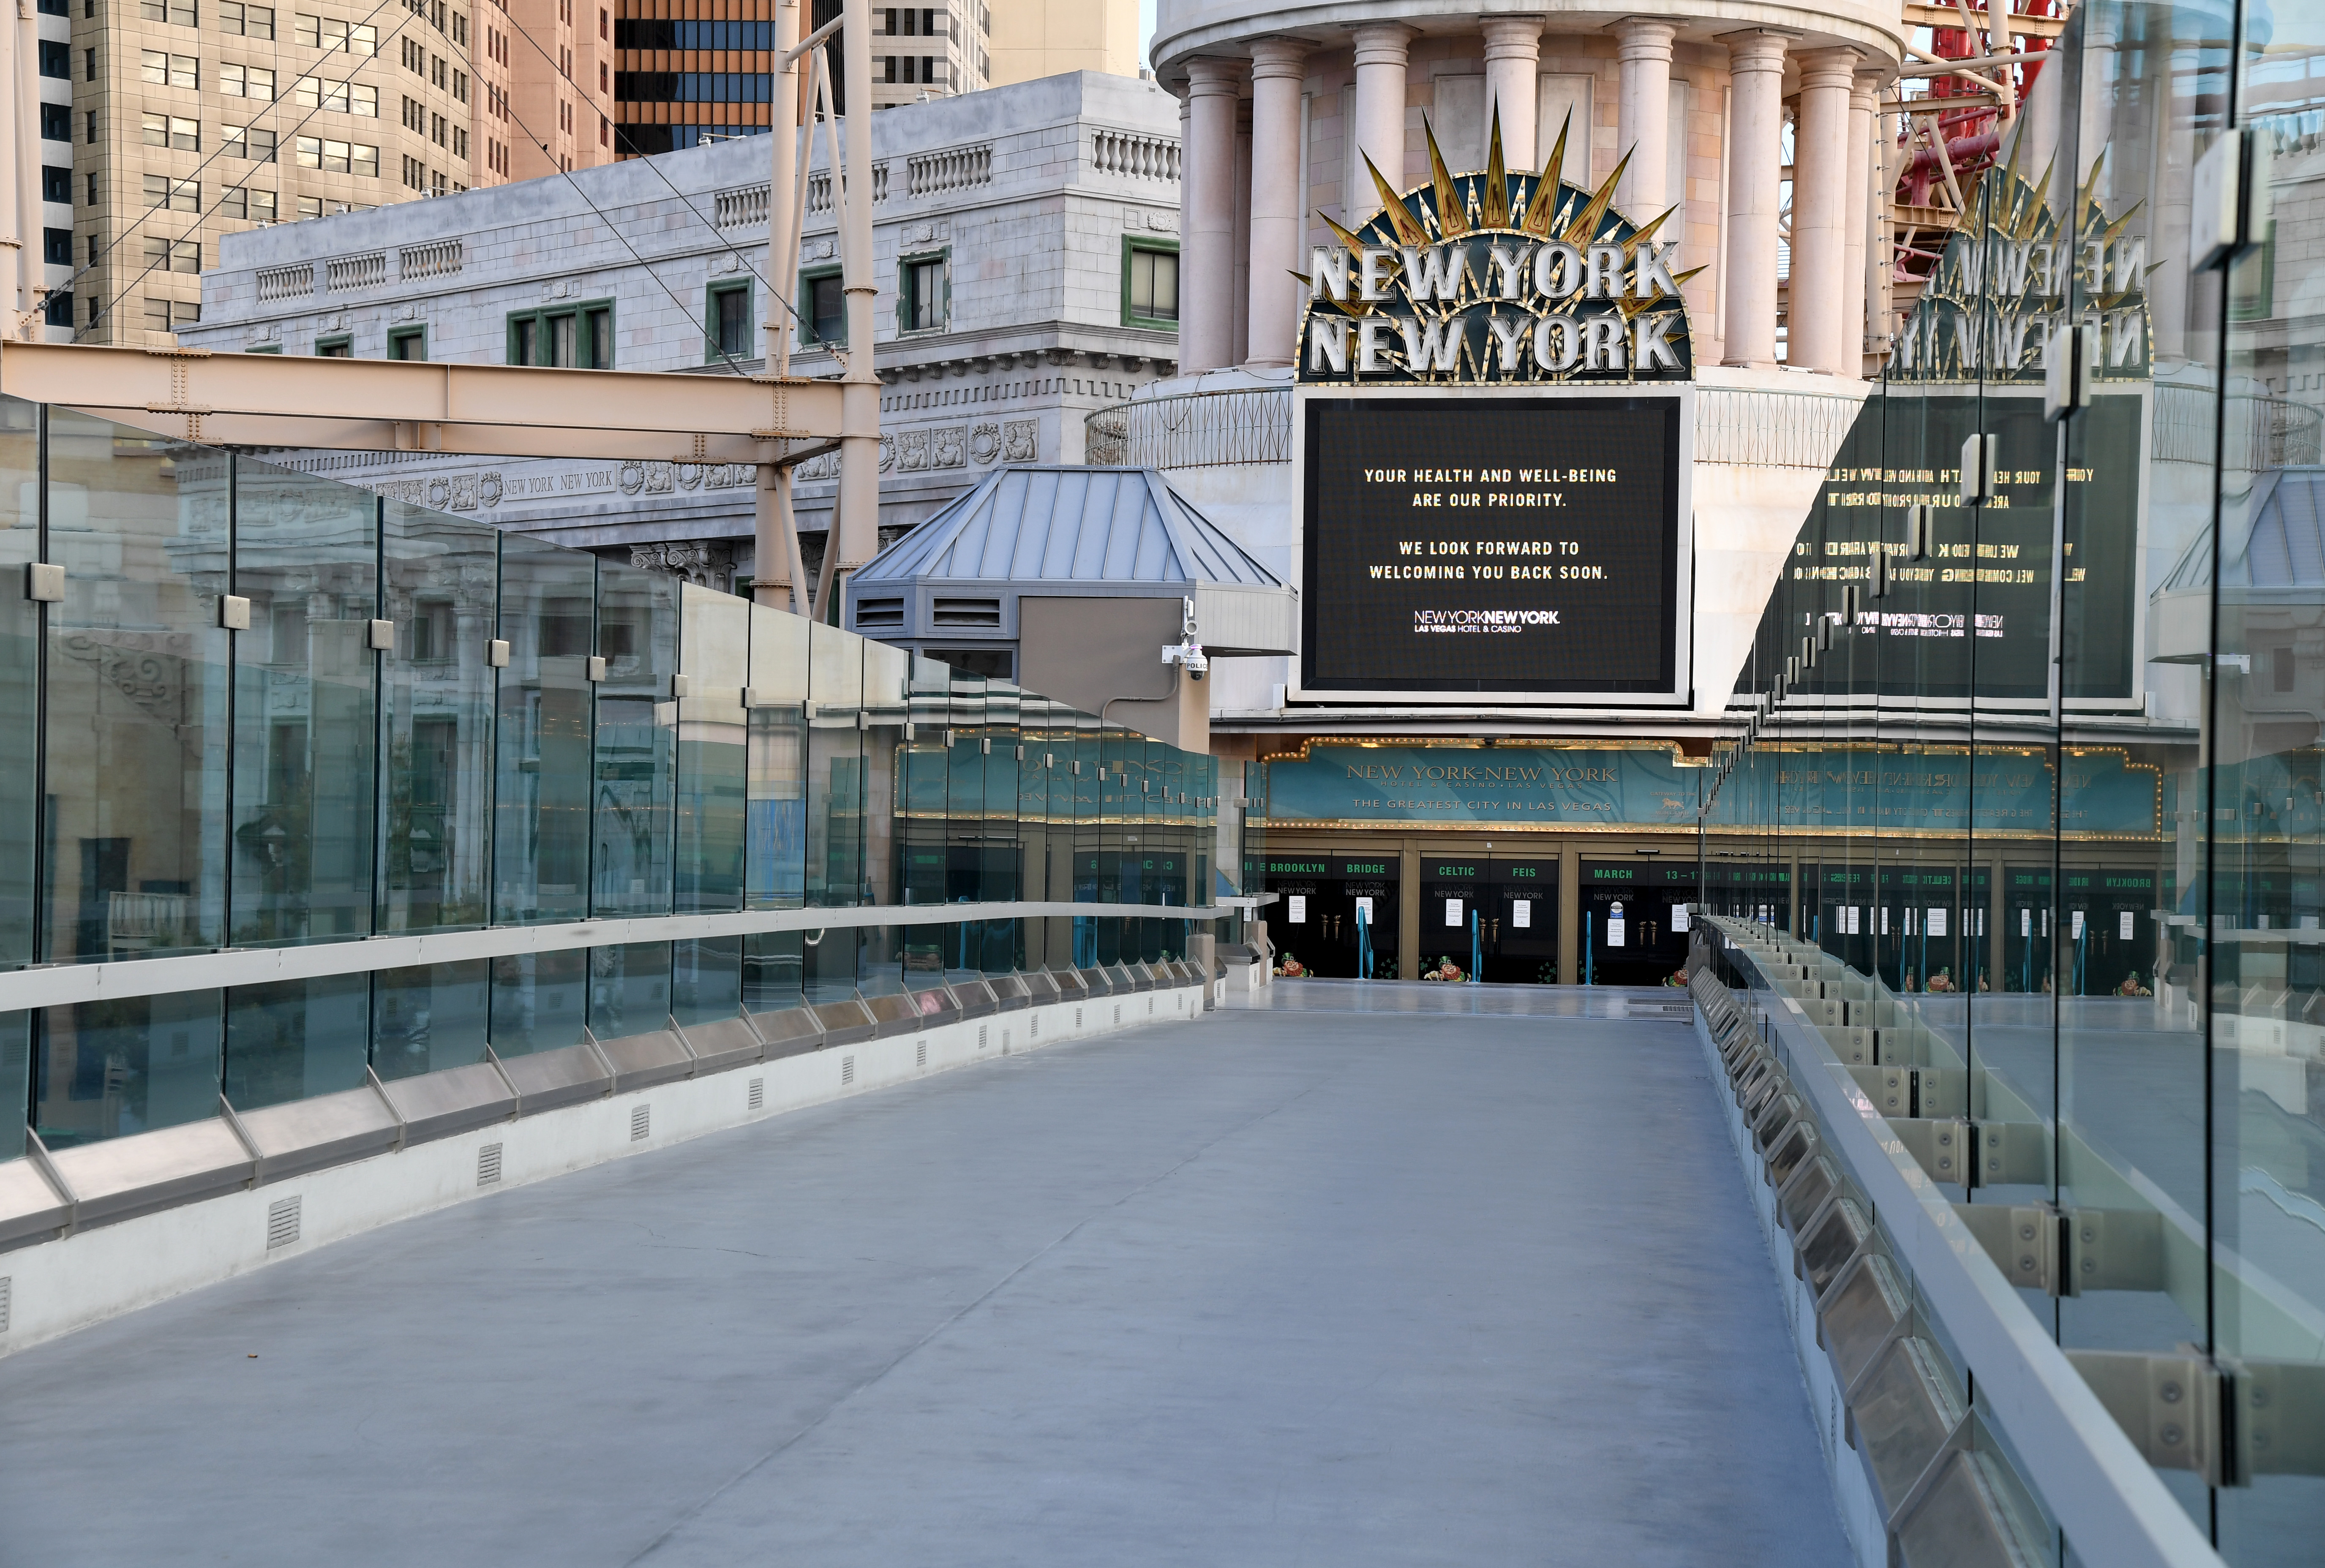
1627, 930
1520, 919
1364, 914
2111, 915
2026, 928
1451, 889
1293, 921
1844, 914
1921, 940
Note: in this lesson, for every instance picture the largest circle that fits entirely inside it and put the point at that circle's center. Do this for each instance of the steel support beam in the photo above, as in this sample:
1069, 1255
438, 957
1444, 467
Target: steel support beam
267, 400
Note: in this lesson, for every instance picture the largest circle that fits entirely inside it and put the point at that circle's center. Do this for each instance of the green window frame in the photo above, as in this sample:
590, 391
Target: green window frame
809, 336
715, 298
265, 348
924, 292
577, 336
407, 343
1138, 289
339, 346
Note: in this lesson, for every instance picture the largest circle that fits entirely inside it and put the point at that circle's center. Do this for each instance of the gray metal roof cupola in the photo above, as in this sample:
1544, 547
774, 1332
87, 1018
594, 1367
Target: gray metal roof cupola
960, 581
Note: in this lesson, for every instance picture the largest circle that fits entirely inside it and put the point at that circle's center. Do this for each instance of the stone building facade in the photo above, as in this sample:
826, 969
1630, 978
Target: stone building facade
1007, 227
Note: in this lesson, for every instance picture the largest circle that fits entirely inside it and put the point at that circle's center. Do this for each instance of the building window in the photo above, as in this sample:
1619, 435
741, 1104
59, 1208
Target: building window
246, 81
56, 246
176, 12
1150, 283
923, 290
340, 348
61, 308
823, 307
163, 193
168, 256
407, 343
335, 157
576, 337
56, 60
56, 184
249, 142
160, 69
169, 131
56, 121
251, 206
727, 321
246, 21
163, 315
327, 32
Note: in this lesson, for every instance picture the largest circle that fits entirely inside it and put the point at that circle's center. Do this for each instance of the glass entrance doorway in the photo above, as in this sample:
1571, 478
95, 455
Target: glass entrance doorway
1520, 916
1634, 920
1335, 913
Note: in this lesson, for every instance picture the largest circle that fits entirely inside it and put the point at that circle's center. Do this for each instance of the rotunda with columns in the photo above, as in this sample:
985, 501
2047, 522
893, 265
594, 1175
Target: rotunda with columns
1283, 101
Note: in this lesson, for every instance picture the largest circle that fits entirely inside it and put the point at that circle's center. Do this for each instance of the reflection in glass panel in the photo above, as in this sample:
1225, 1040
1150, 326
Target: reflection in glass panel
835, 768
775, 862
137, 695
713, 738
15, 1081
629, 990
886, 709
541, 1000
705, 981
773, 971
107, 1069
20, 668
307, 557
430, 1017
827, 962
636, 741
437, 696
542, 781
295, 1038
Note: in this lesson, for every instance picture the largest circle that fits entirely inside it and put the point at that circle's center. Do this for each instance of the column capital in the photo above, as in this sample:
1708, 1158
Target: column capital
1214, 76
1383, 43
1513, 37
1865, 88
1829, 68
1274, 59
1647, 38
1757, 48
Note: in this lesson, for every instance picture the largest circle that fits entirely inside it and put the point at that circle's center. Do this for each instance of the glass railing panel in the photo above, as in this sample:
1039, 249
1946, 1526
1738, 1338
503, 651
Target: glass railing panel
430, 1017
713, 742
108, 1069
20, 676
543, 735
636, 752
439, 577
775, 848
137, 705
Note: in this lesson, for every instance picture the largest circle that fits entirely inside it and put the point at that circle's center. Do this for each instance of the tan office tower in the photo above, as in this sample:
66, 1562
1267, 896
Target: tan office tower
1037, 38
196, 118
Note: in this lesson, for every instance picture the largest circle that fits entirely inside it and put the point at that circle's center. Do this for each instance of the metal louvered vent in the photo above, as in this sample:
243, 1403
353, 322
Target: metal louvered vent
281, 1223
489, 1165
1150, 1004
1033, 1027
7, 1293
880, 611
946, 612
846, 1070
980, 1036
758, 1094
641, 1121
1117, 1012
1078, 1017
920, 1057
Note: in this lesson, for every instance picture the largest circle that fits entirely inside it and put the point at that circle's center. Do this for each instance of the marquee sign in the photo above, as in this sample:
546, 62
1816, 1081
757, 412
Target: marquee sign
1496, 278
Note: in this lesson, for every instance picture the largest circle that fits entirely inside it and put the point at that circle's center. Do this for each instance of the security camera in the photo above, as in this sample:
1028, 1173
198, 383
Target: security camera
1190, 654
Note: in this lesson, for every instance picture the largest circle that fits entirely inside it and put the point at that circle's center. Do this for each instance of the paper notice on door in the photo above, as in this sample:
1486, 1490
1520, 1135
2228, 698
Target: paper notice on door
1614, 926
1521, 914
1937, 926
1296, 909
1452, 911
2125, 924
1365, 908
2027, 922
2075, 926
1678, 917
1885, 920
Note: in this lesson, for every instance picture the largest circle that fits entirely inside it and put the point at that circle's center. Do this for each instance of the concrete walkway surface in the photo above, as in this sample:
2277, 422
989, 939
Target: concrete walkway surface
1284, 1287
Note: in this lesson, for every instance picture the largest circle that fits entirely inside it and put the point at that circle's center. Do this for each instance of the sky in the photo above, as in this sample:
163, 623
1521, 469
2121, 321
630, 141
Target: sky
1146, 30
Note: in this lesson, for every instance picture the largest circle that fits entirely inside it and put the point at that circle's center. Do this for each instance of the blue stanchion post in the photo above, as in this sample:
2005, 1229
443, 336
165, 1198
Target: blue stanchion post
1588, 916
1364, 944
1477, 952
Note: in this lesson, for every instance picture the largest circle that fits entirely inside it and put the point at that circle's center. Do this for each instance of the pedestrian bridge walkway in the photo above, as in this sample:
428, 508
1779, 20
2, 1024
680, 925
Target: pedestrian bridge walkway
1344, 1274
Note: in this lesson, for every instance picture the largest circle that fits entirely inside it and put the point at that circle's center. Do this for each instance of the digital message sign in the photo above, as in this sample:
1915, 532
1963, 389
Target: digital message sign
1493, 546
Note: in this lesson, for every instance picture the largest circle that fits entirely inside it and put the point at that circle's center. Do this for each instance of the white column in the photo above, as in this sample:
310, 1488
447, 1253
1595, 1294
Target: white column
1513, 63
1643, 117
1755, 122
1206, 271
1864, 99
1380, 108
1278, 67
1239, 243
1822, 219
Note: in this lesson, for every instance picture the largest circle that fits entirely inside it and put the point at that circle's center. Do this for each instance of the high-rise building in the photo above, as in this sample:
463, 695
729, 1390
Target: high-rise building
1033, 39
690, 71
190, 119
